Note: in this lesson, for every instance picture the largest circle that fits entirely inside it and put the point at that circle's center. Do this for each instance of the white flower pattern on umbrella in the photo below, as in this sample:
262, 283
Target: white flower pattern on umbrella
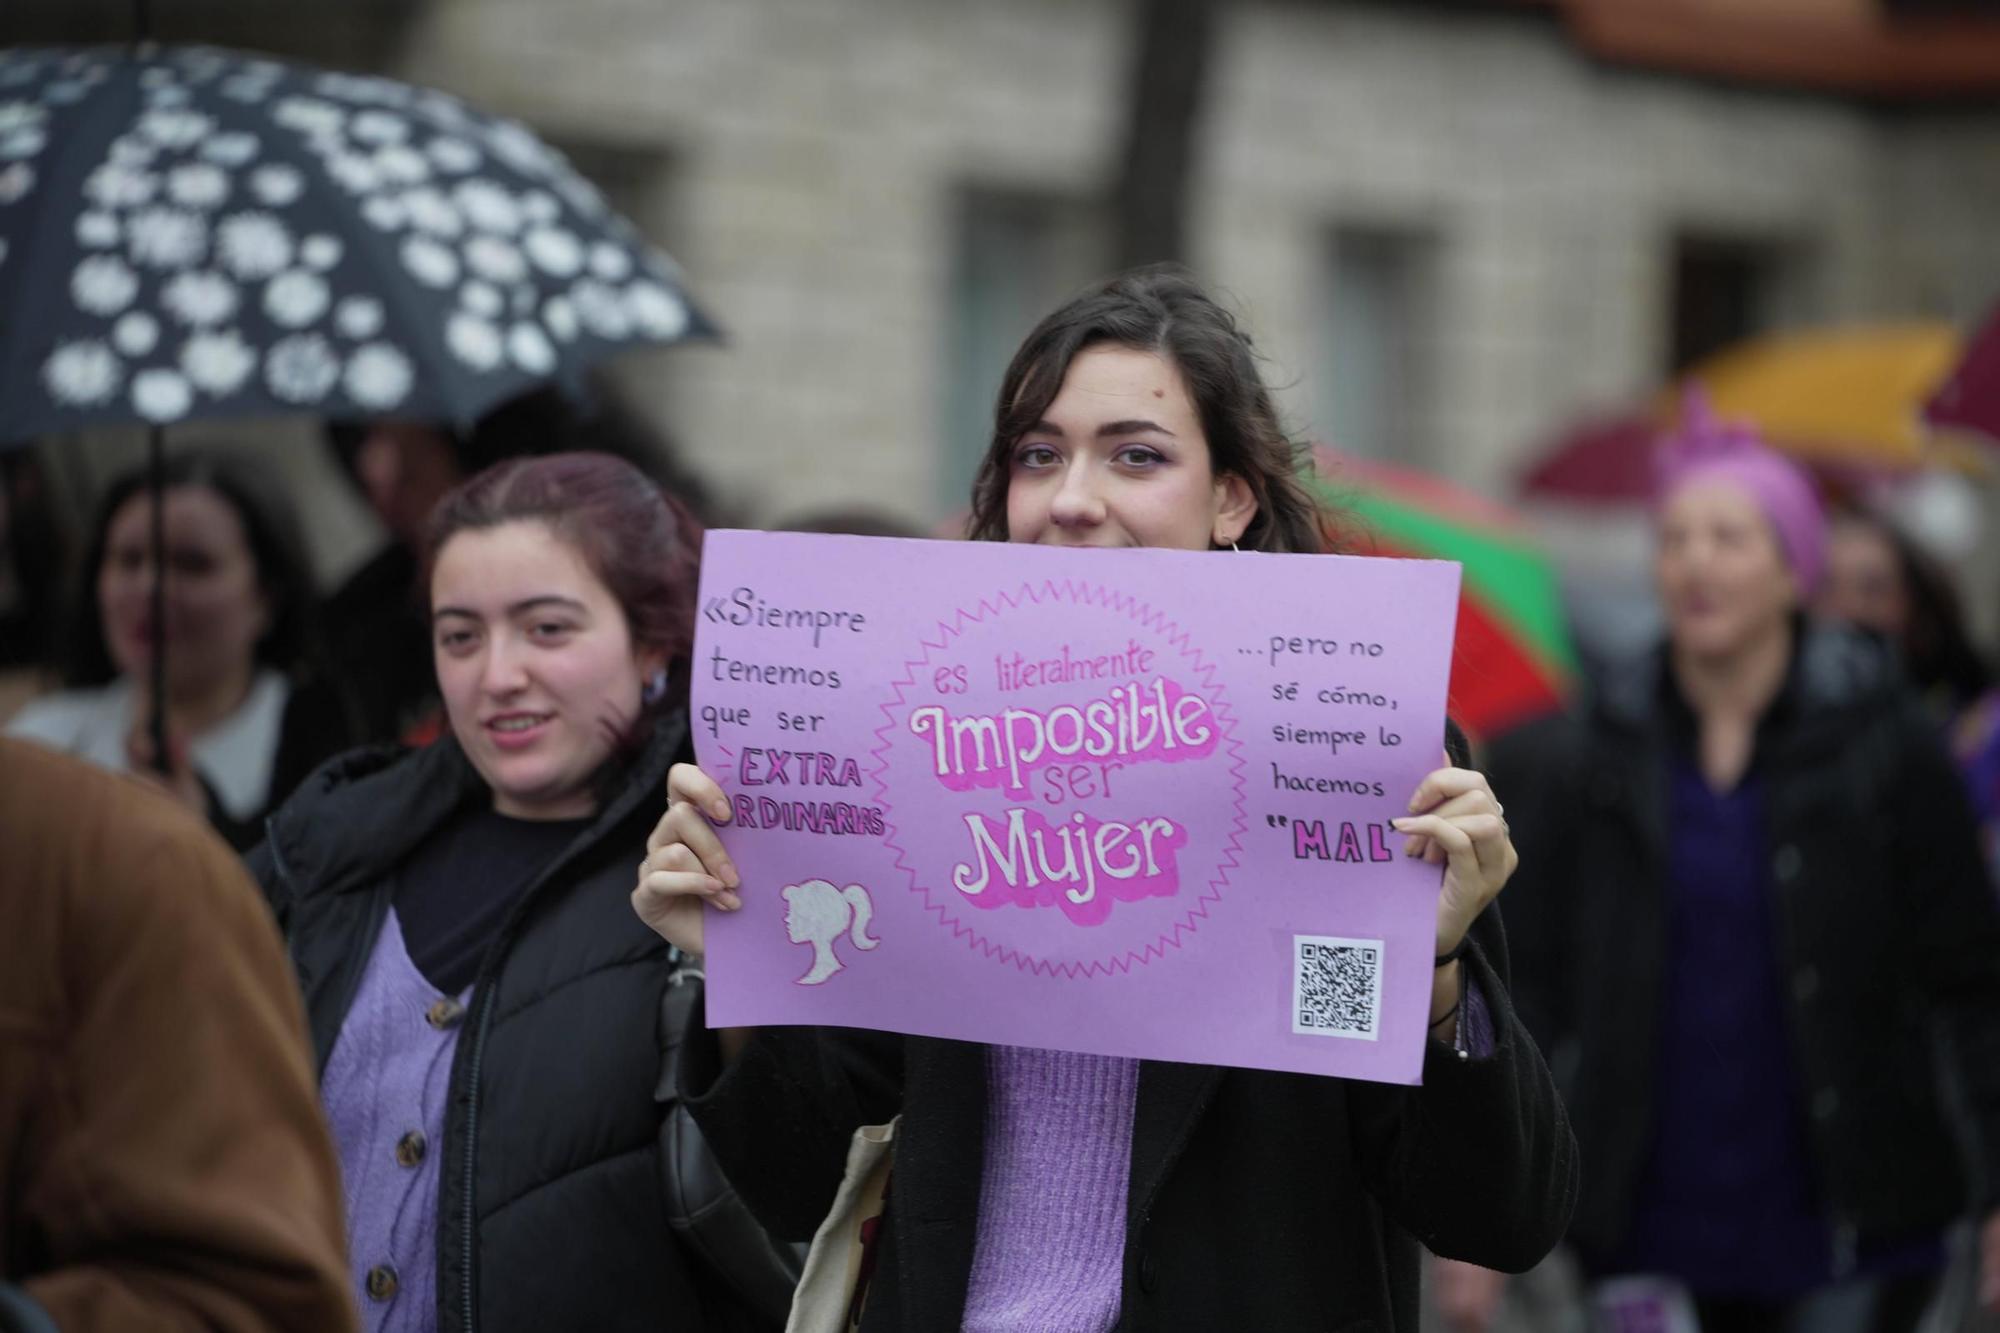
379, 377
540, 206
453, 155
166, 238
321, 252
487, 206
23, 143
309, 115
601, 310
232, 149
200, 298
19, 115
610, 262
16, 182
402, 165
217, 363
514, 144
359, 317
560, 315
98, 231
354, 173
136, 335
495, 260
277, 184
380, 127
175, 128
103, 285
385, 213
295, 299
657, 312
474, 341
198, 185
161, 396
132, 154
83, 374
429, 262
555, 251
430, 212
482, 299
253, 246
301, 368
530, 349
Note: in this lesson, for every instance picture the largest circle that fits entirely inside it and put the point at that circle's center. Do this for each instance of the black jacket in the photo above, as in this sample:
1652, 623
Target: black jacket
1885, 921
550, 1211
1258, 1200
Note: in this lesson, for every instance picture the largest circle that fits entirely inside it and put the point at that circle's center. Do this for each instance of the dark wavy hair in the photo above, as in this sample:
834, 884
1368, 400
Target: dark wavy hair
271, 529
1164, 310
640, 542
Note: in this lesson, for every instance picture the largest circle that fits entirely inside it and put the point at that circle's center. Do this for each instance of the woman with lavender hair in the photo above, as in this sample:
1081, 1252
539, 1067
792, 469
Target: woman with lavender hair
1756, 939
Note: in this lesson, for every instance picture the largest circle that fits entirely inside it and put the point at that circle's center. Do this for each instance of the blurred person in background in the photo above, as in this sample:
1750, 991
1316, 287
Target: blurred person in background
31, 559
1755, 936
1881, 581
247, 713
483, 1004
163, 1162
376, 620
853, 521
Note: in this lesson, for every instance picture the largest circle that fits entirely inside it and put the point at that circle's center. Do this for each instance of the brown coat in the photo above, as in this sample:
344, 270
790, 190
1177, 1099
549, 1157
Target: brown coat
163, 1160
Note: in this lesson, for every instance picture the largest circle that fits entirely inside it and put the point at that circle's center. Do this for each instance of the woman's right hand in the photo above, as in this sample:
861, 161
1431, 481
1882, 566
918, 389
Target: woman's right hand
685, 868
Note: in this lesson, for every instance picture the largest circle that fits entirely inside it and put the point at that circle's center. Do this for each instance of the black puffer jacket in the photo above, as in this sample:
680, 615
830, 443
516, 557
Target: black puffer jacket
551, 1212
1258, 1200
1886, 928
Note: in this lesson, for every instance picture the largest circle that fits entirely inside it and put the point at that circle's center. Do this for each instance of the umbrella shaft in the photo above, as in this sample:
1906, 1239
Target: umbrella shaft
156, 482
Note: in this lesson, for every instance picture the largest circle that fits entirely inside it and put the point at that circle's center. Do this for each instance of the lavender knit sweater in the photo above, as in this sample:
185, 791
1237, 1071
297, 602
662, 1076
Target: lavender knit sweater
1051, 1248
386, 1083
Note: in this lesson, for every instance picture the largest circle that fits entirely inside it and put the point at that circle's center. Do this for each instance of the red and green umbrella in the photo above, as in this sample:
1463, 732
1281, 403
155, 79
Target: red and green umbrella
1513, 659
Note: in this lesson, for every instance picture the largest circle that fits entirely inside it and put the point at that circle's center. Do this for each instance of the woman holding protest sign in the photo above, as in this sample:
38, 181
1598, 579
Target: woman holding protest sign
1174, 1195
456, 915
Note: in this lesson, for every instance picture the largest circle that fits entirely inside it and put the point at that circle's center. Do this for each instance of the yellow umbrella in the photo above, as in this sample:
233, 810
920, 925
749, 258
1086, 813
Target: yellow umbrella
1841, 397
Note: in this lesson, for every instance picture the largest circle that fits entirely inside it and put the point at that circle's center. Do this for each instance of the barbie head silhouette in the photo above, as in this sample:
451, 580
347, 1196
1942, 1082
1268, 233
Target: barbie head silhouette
816, 913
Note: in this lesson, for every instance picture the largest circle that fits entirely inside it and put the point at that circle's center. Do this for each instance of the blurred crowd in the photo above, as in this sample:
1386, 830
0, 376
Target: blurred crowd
1753, 930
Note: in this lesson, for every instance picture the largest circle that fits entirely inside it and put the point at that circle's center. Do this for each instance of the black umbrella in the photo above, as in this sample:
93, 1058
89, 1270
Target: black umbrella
188, 232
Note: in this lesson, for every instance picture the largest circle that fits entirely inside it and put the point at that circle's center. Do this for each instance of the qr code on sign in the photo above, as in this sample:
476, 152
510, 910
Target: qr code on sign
1336, 987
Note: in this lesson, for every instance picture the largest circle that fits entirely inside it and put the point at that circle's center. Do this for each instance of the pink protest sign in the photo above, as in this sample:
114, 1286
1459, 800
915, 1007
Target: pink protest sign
1128, 802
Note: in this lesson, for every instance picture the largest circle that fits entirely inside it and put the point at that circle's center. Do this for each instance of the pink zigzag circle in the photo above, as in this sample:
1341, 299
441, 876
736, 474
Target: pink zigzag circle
1175, 637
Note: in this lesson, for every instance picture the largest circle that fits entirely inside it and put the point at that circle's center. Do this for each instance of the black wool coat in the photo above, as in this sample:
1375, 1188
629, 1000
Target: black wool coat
1887, 934
551, 1212
1258, 1200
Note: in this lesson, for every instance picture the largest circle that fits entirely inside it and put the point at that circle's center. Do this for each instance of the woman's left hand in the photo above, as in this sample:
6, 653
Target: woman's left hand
1455, 821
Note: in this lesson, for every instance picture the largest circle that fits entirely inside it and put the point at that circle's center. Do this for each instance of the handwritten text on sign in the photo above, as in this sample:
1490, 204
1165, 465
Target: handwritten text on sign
1132, 802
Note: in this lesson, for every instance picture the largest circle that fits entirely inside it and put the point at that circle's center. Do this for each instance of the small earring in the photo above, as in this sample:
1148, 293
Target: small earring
655, 688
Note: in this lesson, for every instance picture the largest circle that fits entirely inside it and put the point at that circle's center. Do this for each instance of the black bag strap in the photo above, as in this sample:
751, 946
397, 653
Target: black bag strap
703, 1208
